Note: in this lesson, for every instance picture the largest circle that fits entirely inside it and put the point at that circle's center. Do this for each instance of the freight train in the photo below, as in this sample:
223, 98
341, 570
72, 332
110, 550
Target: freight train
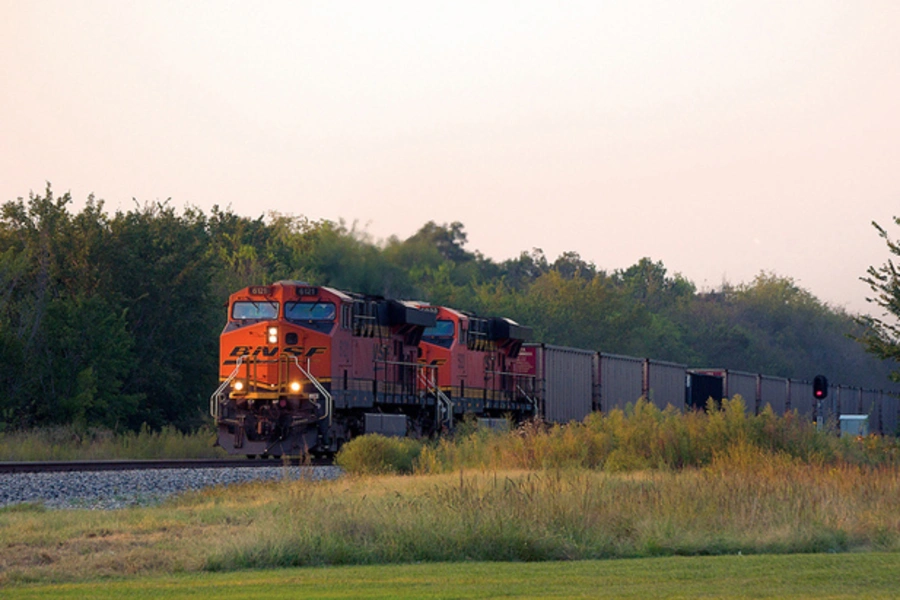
305, 368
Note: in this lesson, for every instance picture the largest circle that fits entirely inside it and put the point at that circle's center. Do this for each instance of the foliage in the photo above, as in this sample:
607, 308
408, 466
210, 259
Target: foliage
882, 334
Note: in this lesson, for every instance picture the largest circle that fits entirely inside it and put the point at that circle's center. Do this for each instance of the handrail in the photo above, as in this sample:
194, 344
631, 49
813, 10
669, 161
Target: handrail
216, 396
439, 395
517, 377
329, 401
529, 398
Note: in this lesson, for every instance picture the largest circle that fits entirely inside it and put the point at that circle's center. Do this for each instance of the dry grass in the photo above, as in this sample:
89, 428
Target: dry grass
70, 443
742, 502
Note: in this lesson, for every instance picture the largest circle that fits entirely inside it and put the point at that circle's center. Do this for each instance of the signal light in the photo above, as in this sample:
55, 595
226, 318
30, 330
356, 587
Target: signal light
820, 387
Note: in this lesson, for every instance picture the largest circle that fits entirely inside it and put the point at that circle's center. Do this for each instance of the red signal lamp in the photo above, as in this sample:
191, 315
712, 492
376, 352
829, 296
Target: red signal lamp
820, 387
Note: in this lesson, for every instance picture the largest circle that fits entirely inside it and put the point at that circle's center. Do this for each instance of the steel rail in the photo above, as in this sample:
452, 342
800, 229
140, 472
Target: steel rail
146, 464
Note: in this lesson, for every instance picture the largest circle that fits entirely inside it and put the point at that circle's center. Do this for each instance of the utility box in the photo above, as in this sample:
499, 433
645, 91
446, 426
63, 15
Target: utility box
386, 425
501, 425
854, 425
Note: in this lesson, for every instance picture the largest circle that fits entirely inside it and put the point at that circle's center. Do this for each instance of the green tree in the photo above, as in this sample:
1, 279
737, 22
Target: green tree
882, 334
158, 267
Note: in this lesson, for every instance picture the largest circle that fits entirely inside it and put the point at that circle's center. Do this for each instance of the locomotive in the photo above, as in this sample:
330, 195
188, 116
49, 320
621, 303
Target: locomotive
305, 368
468, 359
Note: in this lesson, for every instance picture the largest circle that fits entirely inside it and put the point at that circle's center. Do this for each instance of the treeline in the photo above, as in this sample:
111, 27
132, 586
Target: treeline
112, 320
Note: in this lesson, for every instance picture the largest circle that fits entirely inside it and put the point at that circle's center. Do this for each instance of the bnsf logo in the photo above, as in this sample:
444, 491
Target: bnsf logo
274, 350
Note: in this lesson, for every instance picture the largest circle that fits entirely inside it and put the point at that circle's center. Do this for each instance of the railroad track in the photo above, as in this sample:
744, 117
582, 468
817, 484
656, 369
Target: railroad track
139, 465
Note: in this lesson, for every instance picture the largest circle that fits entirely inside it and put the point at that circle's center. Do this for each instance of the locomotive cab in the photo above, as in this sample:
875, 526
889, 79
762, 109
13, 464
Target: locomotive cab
274, 361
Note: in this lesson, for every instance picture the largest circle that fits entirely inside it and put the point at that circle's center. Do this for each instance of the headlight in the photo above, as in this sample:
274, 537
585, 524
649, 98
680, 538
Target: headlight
238, 386
273, 335
295, 386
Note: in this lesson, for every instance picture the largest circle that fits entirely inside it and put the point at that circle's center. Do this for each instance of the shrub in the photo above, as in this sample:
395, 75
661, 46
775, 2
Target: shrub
374, 453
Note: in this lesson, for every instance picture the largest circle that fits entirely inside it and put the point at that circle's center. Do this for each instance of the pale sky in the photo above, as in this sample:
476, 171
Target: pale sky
723, 138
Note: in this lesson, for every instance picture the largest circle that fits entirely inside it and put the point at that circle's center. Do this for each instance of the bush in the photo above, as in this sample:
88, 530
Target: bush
374, 453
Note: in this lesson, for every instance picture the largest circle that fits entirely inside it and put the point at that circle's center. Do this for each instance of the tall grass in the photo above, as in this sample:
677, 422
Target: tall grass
641, 437
744, 501
70, 443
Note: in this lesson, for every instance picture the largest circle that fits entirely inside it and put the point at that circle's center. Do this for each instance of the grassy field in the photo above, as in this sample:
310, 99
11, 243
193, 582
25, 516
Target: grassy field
734, 505
870, 575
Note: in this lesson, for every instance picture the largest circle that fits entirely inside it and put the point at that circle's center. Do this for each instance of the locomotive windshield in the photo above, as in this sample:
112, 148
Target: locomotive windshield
254, 310
442, 328
309, 311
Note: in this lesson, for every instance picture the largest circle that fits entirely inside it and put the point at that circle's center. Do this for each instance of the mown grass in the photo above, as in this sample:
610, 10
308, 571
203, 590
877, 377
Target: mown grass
871, 575
71, 443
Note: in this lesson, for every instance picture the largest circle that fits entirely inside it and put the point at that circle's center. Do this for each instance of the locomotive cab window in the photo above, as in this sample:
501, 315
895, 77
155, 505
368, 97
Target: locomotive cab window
247, 310
309, 311
441, 334
442, 328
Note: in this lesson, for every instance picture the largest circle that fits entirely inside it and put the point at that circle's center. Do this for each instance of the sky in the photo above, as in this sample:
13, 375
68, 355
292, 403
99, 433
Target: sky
723, 138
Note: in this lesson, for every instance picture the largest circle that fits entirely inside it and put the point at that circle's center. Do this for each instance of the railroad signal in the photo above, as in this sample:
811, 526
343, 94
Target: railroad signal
820, 387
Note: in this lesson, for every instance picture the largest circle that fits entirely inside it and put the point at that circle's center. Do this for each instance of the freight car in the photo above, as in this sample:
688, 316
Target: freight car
304, 368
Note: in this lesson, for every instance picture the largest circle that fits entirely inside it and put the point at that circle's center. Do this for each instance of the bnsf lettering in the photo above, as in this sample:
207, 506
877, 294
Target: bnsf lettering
265, 351
273, 351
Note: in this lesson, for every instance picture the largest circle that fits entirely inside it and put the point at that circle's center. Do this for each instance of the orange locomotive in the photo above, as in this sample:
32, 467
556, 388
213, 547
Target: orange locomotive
468, 365
304, 368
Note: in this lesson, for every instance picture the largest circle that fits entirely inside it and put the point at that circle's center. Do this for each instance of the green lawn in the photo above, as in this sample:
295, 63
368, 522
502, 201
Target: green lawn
814, 576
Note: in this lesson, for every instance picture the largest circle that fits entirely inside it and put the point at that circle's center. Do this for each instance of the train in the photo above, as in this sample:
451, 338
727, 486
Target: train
305, 368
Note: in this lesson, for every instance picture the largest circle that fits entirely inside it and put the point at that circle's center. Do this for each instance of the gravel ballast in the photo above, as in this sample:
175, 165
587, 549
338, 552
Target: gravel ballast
119, 489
